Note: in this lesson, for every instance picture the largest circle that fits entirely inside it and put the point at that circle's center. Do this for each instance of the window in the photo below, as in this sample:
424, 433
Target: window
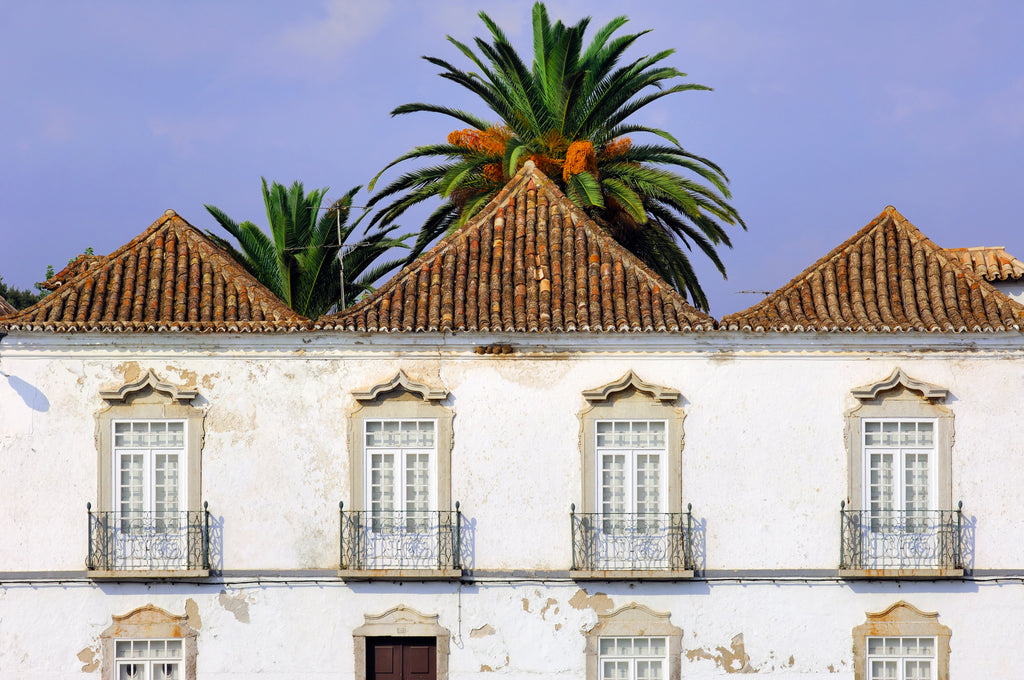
901, 643
901, 658
899, 517
400, 455
631, 455
148, 659
149, 644
633, 658
149, 516
631, 518
633, 643
898, 460
400, 517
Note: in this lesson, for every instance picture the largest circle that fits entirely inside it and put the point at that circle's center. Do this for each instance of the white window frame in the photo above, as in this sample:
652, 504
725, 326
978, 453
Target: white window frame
400, 482
632, 660
901, 620
150, 660
149, 466
631, 468
899, 453
901, 659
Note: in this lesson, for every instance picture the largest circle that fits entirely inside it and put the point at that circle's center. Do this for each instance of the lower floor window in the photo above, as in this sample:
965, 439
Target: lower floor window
148, 659
633, 658
901, 658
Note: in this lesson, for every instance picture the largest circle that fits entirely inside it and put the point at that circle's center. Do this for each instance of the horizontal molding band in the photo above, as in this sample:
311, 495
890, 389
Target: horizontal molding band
483, 576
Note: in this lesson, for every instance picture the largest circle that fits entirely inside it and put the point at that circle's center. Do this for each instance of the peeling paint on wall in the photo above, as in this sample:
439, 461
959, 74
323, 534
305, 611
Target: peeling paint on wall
90, 658
551, 602
483, 631
599, 602
732, 659
487, 669
236, 604
192, 612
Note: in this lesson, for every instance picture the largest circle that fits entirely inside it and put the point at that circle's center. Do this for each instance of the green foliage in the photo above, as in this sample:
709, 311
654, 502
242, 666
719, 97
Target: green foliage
19, 298
299, 262
569, 112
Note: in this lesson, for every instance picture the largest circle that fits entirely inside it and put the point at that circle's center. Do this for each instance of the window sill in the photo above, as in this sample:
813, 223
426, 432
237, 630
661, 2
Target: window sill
145, 574
908, 574
400, 574
631, 574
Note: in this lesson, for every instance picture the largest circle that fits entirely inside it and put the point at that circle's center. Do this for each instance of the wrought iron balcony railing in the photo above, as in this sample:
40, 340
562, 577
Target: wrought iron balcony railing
150, 541
400, 540
893, 539
632, 541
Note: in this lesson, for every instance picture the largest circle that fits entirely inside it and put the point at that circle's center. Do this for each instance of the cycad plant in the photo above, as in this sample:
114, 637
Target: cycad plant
570, 113
299, 262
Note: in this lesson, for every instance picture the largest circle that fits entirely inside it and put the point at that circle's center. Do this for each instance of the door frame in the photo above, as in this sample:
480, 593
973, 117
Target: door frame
398, 622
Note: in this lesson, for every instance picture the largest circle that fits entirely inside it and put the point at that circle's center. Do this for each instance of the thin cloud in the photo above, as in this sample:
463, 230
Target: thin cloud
345, 25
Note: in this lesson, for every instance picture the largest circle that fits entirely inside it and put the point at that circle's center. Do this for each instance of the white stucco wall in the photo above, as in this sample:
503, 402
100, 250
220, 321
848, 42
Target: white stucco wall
764, 463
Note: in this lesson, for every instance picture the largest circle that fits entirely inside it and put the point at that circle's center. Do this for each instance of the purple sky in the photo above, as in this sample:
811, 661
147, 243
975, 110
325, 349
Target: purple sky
822, 114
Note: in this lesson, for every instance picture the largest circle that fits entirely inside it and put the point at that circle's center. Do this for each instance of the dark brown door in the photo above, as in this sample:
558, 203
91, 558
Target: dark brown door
401, 658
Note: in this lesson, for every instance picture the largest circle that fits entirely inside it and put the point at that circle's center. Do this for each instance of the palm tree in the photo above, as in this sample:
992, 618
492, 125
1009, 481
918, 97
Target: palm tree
299, 262
570, 113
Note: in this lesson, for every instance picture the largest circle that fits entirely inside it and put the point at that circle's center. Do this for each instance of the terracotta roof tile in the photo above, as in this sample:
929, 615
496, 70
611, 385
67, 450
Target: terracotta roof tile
528, 262
887, 277
169, 278
82, 263
990, 263
6, 307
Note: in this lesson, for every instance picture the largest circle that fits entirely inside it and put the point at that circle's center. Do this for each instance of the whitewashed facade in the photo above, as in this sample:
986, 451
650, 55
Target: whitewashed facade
761, 438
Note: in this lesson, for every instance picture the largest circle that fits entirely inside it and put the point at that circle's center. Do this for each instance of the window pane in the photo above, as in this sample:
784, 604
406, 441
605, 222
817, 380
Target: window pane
131, 671
648, 483
613, 483
165, 671
417, 482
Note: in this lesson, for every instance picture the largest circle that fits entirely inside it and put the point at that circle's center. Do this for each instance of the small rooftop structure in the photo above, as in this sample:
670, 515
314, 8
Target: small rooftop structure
991, 263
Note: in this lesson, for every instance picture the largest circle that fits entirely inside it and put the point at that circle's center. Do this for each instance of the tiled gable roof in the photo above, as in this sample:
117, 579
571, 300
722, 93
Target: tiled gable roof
990, 263
887, 277
169, 278
6, 307
528, 262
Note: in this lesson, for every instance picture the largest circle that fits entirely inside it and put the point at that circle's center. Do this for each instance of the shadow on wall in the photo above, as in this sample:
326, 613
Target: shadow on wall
217, 543
699, 545
467, 542
967, 534
32, 397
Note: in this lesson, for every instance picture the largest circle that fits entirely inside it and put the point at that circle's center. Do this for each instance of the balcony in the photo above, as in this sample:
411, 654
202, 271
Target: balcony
920, 544
148, 545
632, 545
400, 545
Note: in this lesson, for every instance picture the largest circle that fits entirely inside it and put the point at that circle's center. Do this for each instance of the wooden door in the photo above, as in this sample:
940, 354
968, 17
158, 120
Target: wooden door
401, 659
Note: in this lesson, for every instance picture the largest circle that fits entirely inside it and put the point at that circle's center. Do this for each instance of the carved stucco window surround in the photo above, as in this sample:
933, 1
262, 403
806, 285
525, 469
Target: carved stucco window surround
901, 626
400, 445
149, 636
401, 622
632, 523
634, 621
149, 520
899, 519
